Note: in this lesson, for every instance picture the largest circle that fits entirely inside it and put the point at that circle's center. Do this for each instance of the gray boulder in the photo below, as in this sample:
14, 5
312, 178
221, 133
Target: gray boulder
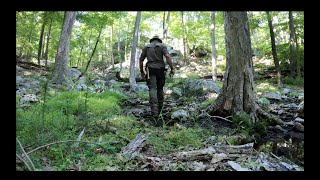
180, 114
272, 95
74, 73
140, 88
201, 86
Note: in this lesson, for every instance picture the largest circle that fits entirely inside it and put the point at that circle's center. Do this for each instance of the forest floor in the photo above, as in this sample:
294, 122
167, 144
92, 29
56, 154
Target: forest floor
189, 139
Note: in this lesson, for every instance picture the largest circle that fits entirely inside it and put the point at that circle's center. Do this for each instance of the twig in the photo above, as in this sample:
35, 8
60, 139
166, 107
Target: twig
61, 142
218, 117
275, 156
24, 152
23, 161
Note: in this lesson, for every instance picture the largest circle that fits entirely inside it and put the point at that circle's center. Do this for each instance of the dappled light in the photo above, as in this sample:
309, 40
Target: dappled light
159, 91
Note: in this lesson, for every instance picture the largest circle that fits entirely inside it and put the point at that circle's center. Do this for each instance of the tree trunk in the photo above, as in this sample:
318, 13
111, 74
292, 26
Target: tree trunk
94, 50
111, 52
119, 52
166, 27
274, 50
238, 88
47, 44
41, 36
125, 46
298, 58
213, 47
292, 45
61, 61
34, 22
132, 79
80, 55
184, 39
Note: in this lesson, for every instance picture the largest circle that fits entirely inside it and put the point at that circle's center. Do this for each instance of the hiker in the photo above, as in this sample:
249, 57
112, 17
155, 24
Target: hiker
155, 73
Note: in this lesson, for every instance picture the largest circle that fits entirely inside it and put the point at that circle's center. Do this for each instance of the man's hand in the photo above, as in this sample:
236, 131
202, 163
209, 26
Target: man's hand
171, 73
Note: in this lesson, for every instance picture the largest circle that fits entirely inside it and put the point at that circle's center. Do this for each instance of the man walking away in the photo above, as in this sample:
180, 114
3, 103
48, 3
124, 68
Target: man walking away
155, 73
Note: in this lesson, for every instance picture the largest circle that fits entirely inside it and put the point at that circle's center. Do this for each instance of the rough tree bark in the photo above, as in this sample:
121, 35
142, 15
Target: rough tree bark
274, 50
213, 47
61, 61
238, 88
132, 79
237, 93
292, 45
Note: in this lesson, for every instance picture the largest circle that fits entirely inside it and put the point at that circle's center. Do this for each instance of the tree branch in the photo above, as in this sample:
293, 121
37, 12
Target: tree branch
24, 162
24, 152
62, 142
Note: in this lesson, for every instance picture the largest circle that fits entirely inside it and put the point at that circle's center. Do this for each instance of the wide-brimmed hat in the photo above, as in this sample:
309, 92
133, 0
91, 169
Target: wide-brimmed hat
155, 37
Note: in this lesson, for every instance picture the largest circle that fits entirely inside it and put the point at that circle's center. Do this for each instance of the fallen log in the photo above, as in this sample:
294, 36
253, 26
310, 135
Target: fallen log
135, 146
209, 152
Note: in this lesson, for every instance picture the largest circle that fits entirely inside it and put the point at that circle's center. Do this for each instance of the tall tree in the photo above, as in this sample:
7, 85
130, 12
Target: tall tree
238, 88
166, 27
125, 46
292, 45
274, 50
213, 47
119, 53
93, 52
48, 39
61, 61
111, 50
41, 35
298, 57
184, 38
132, 78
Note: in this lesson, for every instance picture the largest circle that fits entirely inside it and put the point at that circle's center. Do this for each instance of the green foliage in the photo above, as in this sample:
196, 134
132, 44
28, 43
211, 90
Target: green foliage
184, 137
143, 95
241, 120
161, 146
267, 85
206, 103
293, 81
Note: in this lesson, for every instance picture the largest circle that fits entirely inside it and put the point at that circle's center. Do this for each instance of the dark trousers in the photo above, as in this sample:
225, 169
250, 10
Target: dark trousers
155, 84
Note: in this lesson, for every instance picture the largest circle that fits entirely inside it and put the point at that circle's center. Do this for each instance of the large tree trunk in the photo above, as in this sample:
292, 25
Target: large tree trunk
274, 50
61, 61
184, 39
213, 47
292, 45
47, 44
94, 50
238, 88
41, 36
111, 51
132, 79
166, 27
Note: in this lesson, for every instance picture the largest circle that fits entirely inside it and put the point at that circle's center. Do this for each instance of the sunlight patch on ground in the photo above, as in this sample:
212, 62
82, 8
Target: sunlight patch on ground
266, 87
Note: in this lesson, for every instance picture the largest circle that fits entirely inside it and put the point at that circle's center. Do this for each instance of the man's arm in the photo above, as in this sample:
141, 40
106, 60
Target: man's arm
169, 60
141, 59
